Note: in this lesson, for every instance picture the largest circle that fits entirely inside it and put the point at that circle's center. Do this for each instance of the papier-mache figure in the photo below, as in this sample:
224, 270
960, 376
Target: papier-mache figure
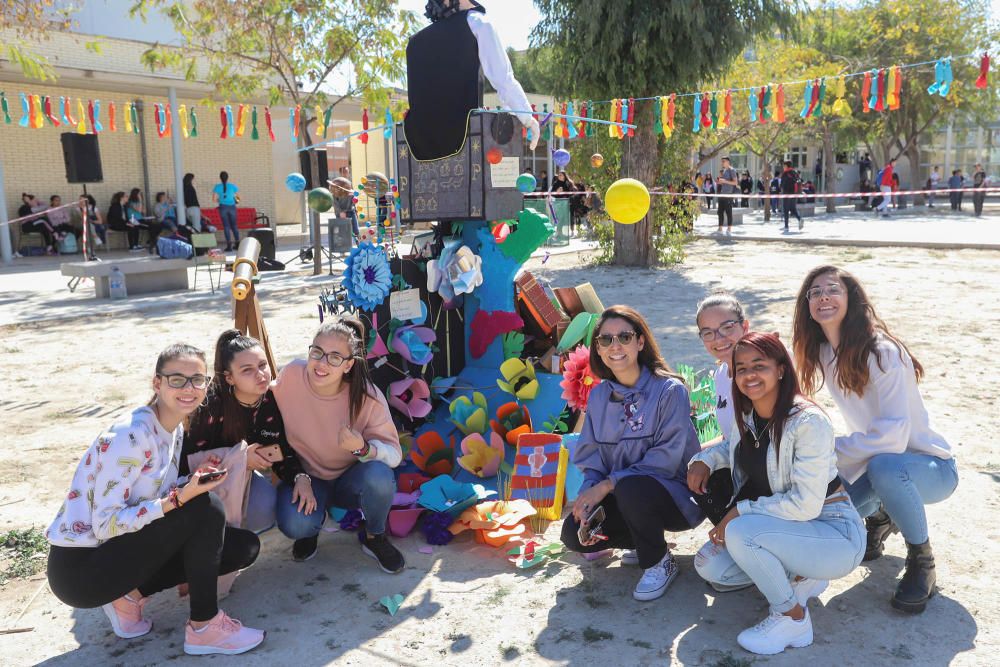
445, 62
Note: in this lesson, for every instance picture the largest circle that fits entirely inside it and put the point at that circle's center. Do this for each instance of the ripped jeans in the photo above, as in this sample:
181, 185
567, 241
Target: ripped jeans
769, 552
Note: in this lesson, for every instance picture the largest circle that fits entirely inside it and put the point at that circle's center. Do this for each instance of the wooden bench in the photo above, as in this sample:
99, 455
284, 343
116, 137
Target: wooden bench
142, 274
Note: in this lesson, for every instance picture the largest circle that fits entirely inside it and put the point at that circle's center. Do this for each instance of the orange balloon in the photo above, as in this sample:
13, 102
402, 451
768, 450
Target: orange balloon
494, 155
596, 160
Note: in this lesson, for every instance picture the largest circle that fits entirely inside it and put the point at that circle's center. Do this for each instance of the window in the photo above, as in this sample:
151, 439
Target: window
798, 156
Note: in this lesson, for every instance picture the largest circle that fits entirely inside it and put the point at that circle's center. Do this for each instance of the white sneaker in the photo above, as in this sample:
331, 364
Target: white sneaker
776, 633
728, 588
630, 557
805, 589
655, 579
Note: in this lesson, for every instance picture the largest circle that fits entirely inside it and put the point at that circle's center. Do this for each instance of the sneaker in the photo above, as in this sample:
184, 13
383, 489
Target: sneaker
655, 579
304, 548
776, 633
389, 558
728, 588
98, 242
806, 588
630, 557
222, 635
126, 618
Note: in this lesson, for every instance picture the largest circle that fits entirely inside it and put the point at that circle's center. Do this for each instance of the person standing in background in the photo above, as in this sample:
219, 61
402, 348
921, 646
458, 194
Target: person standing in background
979, 196
954, 184
885, 186
727, 185
192, 209
933, 183
224, 193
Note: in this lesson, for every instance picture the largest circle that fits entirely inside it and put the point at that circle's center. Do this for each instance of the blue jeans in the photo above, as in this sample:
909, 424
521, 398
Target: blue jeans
260, 513
228, 215
903, 484
770, 552
366, 486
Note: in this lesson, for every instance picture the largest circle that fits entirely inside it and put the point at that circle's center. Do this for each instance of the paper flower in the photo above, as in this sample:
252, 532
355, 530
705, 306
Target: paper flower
411, 342
578, 378
431, 455
482, 458
469, 415
496, 522
409, 396
445, 494
519, 379
512, 420
457, 271
367, 277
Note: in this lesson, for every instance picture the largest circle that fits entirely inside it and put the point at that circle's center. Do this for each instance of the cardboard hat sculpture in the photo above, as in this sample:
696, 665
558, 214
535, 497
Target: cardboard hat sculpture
409, 396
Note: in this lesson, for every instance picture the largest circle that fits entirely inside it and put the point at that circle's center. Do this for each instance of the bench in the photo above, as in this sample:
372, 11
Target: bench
807, 210
142, 274
246, 218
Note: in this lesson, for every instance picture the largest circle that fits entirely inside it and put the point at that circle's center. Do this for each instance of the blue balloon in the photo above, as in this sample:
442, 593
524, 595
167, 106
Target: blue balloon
560, 158
295, 182
526, 183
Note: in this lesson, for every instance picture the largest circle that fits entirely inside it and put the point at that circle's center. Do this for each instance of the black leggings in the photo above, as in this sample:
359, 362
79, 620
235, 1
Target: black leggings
726, 211
40, 226
191, 544
637, 512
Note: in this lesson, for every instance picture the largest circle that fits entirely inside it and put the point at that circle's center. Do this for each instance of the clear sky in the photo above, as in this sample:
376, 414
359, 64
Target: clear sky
513, 19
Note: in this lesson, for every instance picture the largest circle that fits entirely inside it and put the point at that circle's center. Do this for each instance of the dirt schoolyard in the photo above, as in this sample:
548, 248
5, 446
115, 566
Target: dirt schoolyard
464, 603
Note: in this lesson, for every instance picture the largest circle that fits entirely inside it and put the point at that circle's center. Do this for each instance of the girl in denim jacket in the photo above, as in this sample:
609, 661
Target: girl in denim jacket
636, 443
791, 527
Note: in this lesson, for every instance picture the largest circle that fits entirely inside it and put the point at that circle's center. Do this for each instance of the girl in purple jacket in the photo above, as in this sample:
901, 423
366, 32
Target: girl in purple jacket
636, 443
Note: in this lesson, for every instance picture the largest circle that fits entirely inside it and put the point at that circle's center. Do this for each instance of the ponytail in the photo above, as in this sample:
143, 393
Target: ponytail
224, 177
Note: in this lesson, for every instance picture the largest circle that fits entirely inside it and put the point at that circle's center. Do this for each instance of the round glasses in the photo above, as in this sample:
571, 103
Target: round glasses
607, 340
179, 381
725, 330
335, 359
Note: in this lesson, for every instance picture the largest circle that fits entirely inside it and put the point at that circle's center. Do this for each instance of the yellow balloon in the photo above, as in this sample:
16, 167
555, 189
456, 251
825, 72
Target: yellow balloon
627, 201
596, 160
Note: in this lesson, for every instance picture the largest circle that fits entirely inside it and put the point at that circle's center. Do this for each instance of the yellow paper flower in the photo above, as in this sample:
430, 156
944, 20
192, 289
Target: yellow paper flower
469, 416
480, 458
519, 379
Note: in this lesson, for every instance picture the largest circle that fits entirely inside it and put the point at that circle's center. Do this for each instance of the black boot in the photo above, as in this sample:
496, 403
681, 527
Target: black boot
879, 526
917, 584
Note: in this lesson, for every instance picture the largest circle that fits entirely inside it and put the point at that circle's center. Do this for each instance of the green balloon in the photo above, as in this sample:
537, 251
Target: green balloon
320, 200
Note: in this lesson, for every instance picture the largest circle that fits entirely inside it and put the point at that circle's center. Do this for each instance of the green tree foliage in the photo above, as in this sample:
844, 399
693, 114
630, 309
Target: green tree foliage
26, 23
638, 48
289, 50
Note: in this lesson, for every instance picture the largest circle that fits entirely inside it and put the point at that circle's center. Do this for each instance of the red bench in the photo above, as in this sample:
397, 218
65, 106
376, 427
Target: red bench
246, 218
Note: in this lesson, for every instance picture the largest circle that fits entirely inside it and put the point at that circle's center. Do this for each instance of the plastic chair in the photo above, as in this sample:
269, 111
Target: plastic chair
207, 241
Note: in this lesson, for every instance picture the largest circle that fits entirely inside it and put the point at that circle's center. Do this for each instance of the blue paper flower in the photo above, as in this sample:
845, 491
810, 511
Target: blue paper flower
367, 277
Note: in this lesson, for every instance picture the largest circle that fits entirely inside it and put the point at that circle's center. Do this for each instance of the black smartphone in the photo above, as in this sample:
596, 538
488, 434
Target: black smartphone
212, 476
591, 526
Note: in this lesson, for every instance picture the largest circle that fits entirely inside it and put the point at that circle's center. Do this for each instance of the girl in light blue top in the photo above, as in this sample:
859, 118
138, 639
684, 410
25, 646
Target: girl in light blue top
225, 195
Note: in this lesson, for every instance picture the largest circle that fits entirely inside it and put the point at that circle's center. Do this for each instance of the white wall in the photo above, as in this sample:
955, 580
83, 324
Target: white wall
110, 18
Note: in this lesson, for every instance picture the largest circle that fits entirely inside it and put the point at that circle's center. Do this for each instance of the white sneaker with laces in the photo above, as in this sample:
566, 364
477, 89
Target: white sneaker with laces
776, 633
656, 579
806, 588
630, 557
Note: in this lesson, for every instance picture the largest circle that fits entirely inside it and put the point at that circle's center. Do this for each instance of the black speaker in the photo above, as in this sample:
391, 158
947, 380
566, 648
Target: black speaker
324, 169
266, 237
82, 156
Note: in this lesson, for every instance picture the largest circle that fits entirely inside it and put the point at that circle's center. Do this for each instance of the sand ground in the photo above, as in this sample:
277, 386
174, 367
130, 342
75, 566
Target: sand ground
464, 603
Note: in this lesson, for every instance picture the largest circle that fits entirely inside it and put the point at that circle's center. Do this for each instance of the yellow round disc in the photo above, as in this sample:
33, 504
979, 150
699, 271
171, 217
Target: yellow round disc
627, 201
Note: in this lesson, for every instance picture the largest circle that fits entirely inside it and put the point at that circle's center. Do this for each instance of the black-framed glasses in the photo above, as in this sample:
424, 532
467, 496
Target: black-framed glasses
833, 289
725, 330
335, 359
607, 340
179, 381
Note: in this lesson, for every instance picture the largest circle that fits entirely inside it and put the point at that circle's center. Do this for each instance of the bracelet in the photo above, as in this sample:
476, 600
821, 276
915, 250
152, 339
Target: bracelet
362, 453
175, 498
295, 480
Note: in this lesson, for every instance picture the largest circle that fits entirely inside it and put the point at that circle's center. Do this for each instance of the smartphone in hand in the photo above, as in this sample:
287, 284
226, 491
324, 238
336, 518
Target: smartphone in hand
212, 476
592, 526
271, 452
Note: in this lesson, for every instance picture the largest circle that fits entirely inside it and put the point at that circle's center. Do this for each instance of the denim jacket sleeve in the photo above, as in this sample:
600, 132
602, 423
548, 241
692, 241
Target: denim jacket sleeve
813, 457
665, 457
717, 456
588, 454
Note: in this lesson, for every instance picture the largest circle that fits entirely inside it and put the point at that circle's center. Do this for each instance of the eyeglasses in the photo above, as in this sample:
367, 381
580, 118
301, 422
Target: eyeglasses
178, 381
725, 330
833, 289
607, 340
335, 359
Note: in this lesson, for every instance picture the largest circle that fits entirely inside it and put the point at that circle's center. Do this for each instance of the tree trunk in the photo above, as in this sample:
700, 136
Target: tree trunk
829, 168
640, 160
766, 177
305, 139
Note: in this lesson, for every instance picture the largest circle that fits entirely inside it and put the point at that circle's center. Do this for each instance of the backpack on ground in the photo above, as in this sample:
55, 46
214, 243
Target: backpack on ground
67, 245
169, 248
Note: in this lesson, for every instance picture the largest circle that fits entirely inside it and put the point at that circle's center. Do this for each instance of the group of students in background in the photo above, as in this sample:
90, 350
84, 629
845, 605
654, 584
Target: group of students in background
174, 493
129, 213
582, 200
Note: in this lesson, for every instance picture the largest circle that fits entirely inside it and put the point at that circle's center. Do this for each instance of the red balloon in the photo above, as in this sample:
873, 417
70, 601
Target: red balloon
494, 155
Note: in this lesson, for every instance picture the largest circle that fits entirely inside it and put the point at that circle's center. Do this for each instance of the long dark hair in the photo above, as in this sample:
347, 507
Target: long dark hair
235, 422
224, 177
649, 355
360, 382
437, 10
134, 195
115, 211
859, 332
789, 392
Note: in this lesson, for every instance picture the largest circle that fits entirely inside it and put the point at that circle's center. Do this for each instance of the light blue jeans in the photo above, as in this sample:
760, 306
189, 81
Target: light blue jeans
769, 552
903, 484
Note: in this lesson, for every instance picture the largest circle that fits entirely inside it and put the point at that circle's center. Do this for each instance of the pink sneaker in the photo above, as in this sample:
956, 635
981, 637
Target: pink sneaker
126, 618
222, 635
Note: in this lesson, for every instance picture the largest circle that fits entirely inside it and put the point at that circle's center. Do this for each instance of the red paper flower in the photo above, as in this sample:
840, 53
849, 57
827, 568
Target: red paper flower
431, 455
578, 378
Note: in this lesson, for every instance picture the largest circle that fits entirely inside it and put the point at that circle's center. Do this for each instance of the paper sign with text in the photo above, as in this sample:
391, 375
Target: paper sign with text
405, 305
504, 175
